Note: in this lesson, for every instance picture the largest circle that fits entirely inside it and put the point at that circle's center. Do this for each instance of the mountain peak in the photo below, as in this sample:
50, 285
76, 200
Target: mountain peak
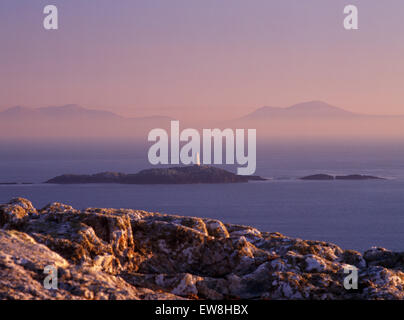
317, 106
313, 108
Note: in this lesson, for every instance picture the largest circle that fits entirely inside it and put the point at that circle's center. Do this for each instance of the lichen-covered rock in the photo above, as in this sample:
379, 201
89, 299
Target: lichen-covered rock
15, 213
134, 254
385, 258
22, 264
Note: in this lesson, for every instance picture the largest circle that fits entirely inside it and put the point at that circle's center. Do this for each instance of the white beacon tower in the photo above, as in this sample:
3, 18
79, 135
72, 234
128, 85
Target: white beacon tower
197, 159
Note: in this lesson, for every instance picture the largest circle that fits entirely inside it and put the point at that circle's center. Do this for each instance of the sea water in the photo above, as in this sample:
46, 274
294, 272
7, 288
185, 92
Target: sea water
352, 214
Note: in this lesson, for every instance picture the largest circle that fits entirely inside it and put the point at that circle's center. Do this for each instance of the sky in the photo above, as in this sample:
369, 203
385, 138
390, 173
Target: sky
205, 59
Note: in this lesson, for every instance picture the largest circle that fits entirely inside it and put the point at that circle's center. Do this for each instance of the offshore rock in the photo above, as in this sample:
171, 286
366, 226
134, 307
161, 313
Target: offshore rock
175, 175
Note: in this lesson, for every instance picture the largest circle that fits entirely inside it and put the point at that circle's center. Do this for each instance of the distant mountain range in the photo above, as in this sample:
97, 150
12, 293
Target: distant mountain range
308, 119
69, 110
320, 120
74, 121
73, 111
307, 109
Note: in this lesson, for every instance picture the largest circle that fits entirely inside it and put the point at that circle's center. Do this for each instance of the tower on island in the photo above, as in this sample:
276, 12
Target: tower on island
197, 159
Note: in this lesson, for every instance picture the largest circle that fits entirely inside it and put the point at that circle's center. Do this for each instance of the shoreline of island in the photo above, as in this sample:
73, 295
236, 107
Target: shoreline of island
195, 174
184, 175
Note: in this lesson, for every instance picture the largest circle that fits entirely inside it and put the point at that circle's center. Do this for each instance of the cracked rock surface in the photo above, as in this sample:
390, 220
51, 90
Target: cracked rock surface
133, 254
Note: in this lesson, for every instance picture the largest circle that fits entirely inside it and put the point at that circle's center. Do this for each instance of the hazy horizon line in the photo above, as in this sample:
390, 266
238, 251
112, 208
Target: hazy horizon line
248, 111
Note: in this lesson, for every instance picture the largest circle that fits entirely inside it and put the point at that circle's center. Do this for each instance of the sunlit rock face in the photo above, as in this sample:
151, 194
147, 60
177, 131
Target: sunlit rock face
133, 254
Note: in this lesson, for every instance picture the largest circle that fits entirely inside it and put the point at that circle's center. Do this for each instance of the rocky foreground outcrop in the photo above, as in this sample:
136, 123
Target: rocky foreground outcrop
132, 254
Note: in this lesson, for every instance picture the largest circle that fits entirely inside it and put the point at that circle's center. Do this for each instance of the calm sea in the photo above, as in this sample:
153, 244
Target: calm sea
352, 214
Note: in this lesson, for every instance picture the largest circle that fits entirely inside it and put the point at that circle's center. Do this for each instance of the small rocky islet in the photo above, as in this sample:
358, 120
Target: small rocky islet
326, 177
133, 254
175, 175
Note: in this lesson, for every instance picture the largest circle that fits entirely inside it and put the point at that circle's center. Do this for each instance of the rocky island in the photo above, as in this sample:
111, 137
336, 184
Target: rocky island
345, 177
175, 175
131, 254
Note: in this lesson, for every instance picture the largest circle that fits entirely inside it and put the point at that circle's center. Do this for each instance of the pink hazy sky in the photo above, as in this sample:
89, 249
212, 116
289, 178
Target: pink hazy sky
211, 58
